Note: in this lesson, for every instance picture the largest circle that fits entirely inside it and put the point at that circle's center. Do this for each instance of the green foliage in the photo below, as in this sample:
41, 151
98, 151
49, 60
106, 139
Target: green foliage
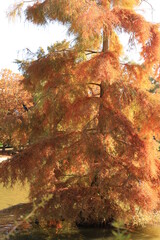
155, 85
120, 233
59, 46
40, 53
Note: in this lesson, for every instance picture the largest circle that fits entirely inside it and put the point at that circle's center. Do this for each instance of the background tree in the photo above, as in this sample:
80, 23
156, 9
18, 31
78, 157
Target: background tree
14, 119
93, 154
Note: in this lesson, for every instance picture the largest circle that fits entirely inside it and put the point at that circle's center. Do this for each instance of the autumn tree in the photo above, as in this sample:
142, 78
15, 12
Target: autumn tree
95, 127
14, 120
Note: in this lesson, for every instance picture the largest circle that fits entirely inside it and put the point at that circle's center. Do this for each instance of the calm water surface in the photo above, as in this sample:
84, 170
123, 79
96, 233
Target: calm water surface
88, 234
18, 194
12, 196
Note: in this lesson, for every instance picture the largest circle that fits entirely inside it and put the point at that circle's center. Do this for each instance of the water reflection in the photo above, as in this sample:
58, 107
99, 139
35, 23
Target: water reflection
149, 233
12, 196
79, 234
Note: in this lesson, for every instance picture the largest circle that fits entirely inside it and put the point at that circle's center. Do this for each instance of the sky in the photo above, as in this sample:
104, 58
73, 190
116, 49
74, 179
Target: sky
17, 35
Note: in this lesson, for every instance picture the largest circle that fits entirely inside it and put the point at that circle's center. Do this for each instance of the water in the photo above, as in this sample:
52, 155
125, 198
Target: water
150, 233
12, 196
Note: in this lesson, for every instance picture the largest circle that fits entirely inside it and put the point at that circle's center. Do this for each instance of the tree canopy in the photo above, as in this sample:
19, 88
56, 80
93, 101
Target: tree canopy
95, 126
14, 120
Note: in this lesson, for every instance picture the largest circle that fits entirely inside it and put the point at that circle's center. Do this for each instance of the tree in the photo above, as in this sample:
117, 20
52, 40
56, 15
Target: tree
94, 152
14, 120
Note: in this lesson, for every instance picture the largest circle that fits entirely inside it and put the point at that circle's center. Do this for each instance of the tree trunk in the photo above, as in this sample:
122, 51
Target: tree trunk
105, 40
102, 113
103, 87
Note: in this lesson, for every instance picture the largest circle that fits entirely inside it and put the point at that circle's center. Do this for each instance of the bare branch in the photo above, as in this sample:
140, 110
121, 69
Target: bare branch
91, 51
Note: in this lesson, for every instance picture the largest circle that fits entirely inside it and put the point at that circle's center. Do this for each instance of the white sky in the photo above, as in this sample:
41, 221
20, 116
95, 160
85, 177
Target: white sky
18, 35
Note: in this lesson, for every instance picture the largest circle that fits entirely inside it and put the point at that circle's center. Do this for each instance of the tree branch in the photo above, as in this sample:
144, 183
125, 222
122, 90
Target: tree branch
91, 51
97, 84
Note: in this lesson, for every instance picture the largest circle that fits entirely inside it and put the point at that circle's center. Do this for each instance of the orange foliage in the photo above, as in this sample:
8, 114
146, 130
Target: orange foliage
12, 113
95, 125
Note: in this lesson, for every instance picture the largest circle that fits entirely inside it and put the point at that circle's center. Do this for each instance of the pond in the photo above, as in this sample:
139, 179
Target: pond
13, 196
151, 233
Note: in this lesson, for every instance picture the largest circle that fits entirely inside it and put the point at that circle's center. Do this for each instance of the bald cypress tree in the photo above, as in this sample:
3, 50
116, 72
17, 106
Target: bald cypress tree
93, 154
